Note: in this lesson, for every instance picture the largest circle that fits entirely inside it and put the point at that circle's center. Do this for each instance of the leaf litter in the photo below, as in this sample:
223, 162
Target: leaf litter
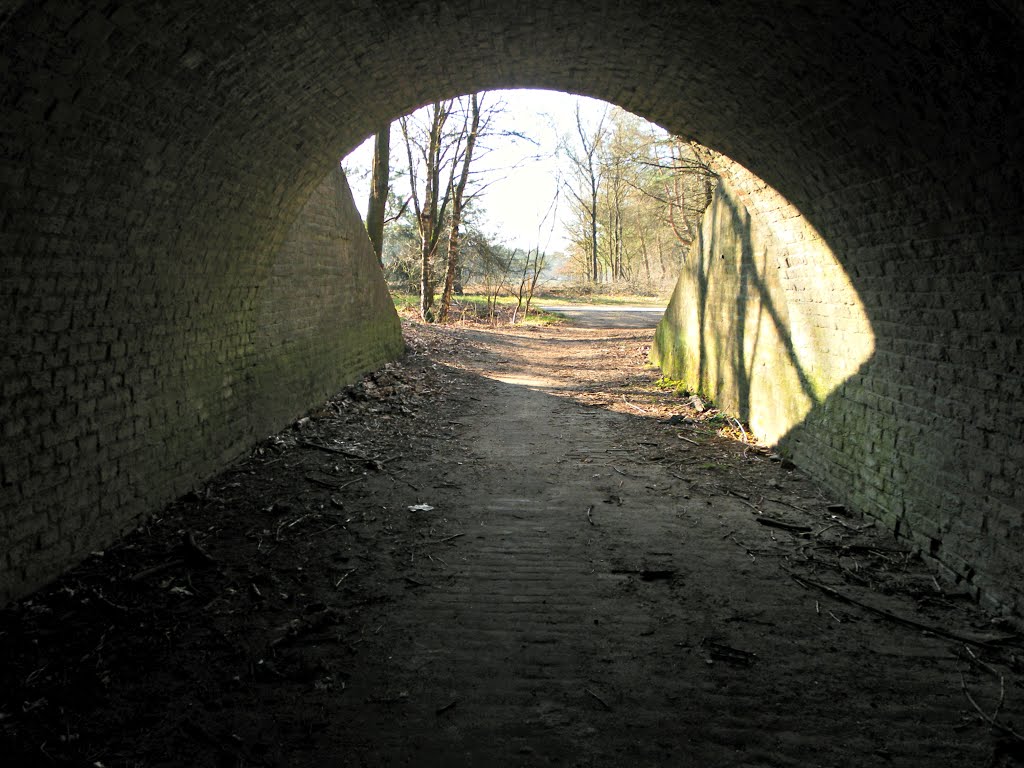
251, 598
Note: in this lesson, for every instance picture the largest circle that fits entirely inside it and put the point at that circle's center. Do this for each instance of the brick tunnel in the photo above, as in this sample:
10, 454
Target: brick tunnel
163, 309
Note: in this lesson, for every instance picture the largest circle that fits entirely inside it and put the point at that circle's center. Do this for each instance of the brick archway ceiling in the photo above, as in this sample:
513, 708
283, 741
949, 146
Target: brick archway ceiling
154, 156
205, 127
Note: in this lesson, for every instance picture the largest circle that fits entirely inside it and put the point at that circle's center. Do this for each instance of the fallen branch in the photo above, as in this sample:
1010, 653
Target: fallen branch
332, 486
785, 504
771, 522
756, 509
892, 616
329, 449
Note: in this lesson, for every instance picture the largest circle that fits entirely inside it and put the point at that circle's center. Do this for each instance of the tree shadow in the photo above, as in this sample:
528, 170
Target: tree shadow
741, 331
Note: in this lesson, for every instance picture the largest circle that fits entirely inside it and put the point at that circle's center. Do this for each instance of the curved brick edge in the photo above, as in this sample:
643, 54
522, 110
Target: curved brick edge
155, 157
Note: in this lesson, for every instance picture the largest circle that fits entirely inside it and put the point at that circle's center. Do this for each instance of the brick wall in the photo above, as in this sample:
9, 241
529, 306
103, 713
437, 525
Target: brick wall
153, 157
763, 318
324, 312
881, 402
133, 384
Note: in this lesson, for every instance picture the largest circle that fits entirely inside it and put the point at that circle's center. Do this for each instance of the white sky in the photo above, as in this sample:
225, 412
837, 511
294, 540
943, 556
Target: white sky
522, 176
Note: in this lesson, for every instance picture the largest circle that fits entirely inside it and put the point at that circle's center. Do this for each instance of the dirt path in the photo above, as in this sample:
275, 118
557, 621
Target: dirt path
591, 587
608, 316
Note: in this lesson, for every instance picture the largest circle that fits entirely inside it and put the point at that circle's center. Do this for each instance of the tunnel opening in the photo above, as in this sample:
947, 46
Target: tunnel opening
160, 160
564, 194
811, 316
175, 209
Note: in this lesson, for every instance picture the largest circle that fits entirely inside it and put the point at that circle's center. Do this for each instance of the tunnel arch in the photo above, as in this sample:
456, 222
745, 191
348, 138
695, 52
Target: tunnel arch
157, 161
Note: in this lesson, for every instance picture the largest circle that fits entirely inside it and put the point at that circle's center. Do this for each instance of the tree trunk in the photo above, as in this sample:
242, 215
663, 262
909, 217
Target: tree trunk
379, 191
643, 252
430, 216
454, 239
593, 230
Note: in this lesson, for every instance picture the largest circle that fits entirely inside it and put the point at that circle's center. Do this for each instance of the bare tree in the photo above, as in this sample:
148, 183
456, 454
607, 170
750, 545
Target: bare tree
430, 211
471, 128
585, 166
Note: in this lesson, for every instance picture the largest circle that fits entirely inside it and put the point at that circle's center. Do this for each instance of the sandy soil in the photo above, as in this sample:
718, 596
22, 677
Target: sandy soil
508, 549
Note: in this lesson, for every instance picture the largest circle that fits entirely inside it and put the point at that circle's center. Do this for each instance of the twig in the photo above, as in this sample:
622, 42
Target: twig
993, 718
891, 616
446, 707
448, 538
681, 437
785, 504
282, 525
771, 522
147, 572
602, 701
333, 486
589, 518
329, 449
193, 552
987, 667
636, 407
347, 574
411, 485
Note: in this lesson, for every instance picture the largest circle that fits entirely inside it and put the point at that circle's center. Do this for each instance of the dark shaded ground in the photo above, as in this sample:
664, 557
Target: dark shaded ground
591, 586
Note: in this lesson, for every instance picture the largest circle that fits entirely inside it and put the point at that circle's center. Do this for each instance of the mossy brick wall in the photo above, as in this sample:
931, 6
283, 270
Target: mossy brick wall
145, 400
155, 155
765, 321
324, 314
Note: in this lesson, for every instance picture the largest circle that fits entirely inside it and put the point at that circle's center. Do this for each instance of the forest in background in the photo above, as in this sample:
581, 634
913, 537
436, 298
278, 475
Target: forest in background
626, 205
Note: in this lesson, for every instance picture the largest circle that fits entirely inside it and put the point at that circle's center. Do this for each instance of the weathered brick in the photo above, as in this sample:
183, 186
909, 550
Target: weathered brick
924, 436
152, 194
